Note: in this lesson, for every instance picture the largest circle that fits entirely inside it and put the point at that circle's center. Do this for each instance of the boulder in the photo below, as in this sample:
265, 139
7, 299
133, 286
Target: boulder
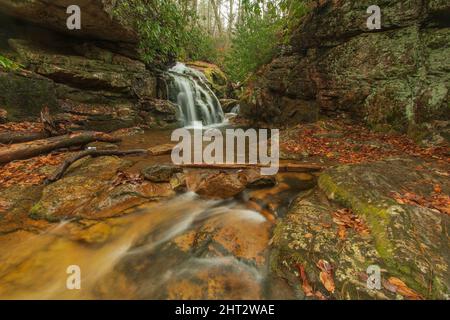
226, 184
408, 236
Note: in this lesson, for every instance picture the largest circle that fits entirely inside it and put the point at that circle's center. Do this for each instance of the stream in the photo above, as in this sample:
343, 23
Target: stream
185, 247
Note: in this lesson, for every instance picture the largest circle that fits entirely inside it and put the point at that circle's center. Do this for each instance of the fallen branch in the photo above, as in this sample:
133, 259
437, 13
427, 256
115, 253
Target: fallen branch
288, 167
88, 153
31, 149
19, 137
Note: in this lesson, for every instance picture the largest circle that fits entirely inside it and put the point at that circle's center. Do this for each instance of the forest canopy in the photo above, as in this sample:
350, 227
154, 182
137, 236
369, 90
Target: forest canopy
238, 35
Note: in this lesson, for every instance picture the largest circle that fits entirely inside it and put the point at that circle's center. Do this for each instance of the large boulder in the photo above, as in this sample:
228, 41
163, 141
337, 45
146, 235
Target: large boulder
395, 76
406, 216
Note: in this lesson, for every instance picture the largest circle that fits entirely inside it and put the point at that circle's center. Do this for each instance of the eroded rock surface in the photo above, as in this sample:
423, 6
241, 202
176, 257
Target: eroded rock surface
407, 240
397, 76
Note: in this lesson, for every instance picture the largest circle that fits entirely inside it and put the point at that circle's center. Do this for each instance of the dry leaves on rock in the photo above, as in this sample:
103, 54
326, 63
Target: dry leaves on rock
306, 286
436, 201
22, 126
402, 288
346, 219
26, 172
353, 143
127, 178
326, 275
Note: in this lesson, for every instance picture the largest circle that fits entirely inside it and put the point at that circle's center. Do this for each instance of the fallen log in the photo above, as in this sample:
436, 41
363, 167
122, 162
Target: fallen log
19, 137
58, 173
31, 149
283, 167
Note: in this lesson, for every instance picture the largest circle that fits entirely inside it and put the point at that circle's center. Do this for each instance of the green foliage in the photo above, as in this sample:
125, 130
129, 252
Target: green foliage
260, 32
7, 64
167, 30
253, 45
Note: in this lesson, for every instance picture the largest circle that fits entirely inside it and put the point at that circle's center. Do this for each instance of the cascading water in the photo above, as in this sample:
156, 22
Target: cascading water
196, 101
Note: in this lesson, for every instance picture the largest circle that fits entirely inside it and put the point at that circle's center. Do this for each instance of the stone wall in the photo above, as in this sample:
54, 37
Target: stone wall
397, 77
90, 78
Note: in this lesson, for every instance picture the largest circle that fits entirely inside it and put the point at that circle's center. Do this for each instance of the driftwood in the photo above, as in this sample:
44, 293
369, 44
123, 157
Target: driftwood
31, 149
283, 167
88, 153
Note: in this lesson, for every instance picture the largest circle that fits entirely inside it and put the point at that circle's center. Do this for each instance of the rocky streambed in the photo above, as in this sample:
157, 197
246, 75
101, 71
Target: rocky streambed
139, 228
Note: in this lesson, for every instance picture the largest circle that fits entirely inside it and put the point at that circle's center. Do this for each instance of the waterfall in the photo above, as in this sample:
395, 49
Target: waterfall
196, 101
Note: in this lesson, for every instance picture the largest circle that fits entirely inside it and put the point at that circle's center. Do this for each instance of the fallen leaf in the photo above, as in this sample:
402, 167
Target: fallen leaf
403, 289
342, 232
437, 188
307, 289
326, 275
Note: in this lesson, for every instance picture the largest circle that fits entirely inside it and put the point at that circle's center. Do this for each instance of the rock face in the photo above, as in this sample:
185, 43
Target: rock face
92, 78
396, 76
407, 241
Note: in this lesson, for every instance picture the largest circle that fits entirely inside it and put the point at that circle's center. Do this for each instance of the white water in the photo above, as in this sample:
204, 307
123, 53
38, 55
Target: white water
195, 100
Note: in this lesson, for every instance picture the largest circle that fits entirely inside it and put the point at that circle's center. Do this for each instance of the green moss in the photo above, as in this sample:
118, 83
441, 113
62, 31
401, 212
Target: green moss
377, 218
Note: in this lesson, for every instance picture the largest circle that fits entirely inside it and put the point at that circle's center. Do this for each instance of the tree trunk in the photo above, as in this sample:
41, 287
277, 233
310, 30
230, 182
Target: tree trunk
31, 149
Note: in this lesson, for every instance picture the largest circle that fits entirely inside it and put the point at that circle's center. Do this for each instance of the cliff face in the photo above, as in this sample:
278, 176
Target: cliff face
91, 78
397, 77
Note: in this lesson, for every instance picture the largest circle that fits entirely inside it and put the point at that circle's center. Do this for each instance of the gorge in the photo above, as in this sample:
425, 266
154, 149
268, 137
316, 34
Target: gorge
363, 118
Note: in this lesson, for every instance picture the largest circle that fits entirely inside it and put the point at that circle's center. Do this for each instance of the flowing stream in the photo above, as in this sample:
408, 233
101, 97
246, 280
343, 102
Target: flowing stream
184, 247
196, 101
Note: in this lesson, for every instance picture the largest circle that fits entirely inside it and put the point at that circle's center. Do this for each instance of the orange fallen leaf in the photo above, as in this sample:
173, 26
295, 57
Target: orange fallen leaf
307, 289
403, 289
437, 188
326, 275
342, 232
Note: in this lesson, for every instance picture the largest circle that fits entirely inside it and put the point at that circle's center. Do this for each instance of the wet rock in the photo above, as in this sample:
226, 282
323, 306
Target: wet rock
215, 76
160, 173
262, 182
219, 185
83, 182
409, 238
15, 203
228, 104
162, 149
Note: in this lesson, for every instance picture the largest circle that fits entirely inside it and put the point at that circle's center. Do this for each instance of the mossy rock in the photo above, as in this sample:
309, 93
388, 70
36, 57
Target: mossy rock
409, 239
